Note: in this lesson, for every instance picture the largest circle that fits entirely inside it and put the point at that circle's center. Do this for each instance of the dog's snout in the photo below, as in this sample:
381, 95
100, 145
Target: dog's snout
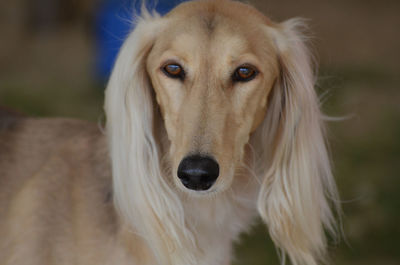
198, 172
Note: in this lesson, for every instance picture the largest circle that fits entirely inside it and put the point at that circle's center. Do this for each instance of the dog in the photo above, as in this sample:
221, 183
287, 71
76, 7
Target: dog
212, 120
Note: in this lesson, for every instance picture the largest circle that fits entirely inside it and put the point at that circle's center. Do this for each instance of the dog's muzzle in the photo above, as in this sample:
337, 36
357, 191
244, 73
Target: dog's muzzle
198, 172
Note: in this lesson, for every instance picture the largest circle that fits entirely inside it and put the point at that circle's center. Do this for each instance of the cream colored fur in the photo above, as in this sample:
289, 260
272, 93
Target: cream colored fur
62, 203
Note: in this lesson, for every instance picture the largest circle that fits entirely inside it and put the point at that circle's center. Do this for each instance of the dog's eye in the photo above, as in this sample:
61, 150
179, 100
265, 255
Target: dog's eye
244, 73
174, 70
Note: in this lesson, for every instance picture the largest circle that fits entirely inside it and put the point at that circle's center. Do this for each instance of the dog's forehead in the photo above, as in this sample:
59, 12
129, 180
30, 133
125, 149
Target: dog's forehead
193, 40
233, 9
213, 19
215, 31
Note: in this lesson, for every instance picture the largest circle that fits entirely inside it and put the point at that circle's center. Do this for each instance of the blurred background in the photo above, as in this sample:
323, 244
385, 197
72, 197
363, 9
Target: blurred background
55, 56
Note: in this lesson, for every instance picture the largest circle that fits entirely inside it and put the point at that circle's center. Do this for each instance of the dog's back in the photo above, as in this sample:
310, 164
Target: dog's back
52, 171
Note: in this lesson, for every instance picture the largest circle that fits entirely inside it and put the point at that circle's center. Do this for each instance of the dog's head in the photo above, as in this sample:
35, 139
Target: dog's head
212, 71
201, 87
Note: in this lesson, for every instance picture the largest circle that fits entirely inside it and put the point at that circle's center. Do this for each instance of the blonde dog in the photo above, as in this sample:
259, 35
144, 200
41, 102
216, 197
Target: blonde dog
212, 119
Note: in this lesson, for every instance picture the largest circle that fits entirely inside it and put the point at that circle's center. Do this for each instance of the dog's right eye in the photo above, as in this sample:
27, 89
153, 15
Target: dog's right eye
174, 70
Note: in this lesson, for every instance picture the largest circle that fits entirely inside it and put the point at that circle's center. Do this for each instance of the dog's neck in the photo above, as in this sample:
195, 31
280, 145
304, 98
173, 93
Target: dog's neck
218, 221
214, 221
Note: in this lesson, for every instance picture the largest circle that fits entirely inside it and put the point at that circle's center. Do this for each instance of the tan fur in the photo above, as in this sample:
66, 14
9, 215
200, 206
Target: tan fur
208, 113
63, 202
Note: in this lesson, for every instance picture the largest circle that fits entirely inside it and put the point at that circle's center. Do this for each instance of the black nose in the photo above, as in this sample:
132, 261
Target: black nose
198, 172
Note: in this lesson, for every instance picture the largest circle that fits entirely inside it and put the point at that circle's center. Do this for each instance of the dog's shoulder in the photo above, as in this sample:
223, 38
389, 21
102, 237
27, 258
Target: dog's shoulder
53, 171
43, 146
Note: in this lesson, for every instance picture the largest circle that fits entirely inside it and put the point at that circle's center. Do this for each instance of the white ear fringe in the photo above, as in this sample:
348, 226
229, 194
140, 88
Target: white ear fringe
298, 182
141, 194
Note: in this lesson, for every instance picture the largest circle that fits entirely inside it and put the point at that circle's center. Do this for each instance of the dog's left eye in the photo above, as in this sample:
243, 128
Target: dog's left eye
244, 73
174, 70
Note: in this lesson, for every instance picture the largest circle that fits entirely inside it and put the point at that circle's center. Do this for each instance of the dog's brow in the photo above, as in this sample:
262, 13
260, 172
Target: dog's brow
210, 23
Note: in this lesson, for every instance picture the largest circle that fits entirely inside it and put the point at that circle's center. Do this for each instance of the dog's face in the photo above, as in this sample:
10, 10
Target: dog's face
212, 75
221, 75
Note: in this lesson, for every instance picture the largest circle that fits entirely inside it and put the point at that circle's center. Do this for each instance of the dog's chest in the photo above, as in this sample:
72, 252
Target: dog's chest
217, 222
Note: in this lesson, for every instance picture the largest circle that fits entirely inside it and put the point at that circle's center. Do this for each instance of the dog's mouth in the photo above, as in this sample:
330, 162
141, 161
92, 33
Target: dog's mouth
198, 172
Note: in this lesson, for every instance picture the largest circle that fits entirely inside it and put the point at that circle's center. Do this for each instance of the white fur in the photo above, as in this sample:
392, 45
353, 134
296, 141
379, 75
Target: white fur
298, 179
292, 163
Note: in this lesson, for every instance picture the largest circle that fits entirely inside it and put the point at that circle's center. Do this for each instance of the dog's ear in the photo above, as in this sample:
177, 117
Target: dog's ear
141, 194
297, 184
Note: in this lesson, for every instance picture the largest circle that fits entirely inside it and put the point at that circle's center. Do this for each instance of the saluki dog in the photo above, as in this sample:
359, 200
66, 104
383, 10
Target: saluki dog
212, 120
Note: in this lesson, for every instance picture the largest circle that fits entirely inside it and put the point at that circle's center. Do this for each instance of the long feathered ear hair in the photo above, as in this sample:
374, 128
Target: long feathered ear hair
141, 194
298, 188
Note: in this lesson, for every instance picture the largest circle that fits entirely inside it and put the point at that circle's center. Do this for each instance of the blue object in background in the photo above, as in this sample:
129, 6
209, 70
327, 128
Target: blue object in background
113, 23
